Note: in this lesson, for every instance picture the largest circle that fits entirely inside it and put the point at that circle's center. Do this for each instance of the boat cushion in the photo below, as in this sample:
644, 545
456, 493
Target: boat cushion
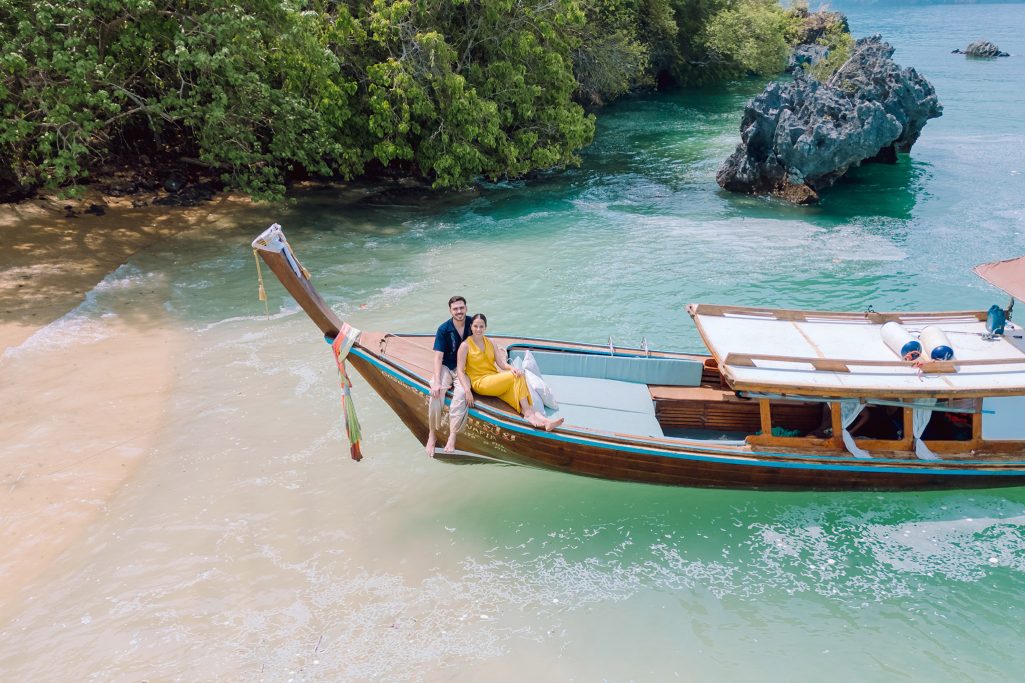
644, 370
604, 404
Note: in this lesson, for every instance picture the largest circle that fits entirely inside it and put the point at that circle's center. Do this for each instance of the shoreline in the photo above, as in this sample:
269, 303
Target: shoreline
72, 436
51, 259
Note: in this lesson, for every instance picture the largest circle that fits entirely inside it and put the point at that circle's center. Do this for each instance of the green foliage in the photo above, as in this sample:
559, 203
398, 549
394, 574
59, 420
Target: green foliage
471, 89
840, 46
752, 36
453, 90
622, 46
609, 64
243, 91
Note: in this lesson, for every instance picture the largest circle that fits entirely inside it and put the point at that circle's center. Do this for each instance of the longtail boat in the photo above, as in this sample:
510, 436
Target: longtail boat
773, 405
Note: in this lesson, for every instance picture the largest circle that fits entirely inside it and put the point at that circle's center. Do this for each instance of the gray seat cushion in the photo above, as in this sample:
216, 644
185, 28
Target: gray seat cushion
643, 370
604, 404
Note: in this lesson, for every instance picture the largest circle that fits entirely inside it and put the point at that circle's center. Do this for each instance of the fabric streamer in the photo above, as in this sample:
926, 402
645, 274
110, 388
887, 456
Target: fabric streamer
341, 346
920, 420
849, 410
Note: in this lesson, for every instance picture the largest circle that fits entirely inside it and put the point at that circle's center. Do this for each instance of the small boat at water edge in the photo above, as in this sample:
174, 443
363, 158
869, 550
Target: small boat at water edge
774, 405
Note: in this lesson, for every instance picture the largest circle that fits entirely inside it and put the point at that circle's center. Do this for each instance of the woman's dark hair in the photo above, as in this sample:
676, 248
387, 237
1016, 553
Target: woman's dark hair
480, 316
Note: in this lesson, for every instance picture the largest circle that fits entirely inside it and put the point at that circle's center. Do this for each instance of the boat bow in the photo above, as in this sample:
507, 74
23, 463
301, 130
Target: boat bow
275, 251
700, 432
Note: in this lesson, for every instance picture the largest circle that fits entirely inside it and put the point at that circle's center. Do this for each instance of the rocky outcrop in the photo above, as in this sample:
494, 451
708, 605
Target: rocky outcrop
798, 138
805, 56
817, 24
982, 49
807, 49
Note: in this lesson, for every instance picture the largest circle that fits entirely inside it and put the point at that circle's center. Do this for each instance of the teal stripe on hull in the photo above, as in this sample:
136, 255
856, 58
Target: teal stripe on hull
845, 464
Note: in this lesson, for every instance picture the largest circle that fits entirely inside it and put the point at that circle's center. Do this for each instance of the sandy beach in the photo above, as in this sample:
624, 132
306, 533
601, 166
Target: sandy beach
50, 261
76, 423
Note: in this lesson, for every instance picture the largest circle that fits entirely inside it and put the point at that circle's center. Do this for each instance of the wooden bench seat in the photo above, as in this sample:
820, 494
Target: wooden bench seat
719, 409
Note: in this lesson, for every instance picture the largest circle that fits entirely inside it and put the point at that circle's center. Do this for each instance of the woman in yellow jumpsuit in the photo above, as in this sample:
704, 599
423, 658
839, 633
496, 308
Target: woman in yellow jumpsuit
482, 371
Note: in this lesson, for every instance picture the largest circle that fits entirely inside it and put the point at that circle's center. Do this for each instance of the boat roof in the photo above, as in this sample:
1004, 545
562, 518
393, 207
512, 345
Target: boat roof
1008, 275
844, 355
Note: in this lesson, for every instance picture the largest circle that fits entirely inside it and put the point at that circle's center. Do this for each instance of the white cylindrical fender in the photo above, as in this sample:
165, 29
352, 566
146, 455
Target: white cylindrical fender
935, 344
900, 341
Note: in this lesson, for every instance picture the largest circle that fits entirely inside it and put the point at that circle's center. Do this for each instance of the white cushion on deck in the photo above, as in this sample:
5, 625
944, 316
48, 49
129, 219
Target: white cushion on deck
605, 404
636, 369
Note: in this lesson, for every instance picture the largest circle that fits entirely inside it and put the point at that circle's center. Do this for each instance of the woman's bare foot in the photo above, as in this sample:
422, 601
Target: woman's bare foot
432, 442
536, 420
450, 445
552, 424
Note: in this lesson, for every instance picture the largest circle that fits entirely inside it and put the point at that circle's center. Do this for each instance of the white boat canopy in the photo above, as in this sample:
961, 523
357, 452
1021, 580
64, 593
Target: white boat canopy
844, 355
1008, 275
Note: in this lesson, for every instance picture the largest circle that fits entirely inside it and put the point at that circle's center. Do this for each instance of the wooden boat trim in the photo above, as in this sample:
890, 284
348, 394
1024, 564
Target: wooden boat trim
420, 383
747, 360
868, 317
682, 451
843, 364
297, 284
793, 463
562, 345
858, 393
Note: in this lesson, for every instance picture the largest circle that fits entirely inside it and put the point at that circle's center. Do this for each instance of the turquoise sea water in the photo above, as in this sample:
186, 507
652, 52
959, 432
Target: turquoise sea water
248, 546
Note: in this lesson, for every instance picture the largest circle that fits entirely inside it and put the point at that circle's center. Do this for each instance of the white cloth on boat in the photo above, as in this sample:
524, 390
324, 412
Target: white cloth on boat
273, 240
539, 387
849, 411
540, 392
457, 411
919, 420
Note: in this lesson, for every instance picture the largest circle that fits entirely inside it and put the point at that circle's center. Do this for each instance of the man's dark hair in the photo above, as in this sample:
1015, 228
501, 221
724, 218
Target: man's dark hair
455, 299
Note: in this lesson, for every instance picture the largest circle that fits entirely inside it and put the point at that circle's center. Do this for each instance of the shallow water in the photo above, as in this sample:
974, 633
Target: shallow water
247, 546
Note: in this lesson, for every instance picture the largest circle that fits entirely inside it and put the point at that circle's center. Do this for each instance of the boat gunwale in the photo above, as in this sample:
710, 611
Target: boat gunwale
678, 448
637, 458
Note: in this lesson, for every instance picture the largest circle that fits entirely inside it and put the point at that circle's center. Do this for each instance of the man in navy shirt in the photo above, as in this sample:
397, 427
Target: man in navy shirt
449, 336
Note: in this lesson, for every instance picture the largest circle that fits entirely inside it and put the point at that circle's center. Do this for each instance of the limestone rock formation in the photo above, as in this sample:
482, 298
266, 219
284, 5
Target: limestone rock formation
806, 55
798, 138
816, 24
983, 49
807, 50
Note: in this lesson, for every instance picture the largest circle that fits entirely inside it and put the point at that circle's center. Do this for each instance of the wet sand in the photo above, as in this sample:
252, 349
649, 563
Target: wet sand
77, 418
50, 261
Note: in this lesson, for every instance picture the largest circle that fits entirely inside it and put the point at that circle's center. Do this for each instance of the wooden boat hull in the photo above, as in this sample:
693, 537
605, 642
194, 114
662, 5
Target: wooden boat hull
510, 440
396, 367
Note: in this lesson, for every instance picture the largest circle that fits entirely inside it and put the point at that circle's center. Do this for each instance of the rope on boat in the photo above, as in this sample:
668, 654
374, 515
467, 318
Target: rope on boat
289, 251
341, 346
259, 278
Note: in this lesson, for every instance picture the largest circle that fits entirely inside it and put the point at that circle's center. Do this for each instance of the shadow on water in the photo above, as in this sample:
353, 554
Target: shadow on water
463, 458
380, 209
879, 190
873, 191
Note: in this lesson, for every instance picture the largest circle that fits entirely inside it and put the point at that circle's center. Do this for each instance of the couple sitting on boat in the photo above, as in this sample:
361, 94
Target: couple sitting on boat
467, 359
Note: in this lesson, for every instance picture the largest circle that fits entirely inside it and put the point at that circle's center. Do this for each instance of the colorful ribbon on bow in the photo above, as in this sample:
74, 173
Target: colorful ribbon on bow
341, 346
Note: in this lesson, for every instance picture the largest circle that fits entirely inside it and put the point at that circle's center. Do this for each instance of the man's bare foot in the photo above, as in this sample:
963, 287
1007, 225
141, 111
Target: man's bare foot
432, 442
552, 424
